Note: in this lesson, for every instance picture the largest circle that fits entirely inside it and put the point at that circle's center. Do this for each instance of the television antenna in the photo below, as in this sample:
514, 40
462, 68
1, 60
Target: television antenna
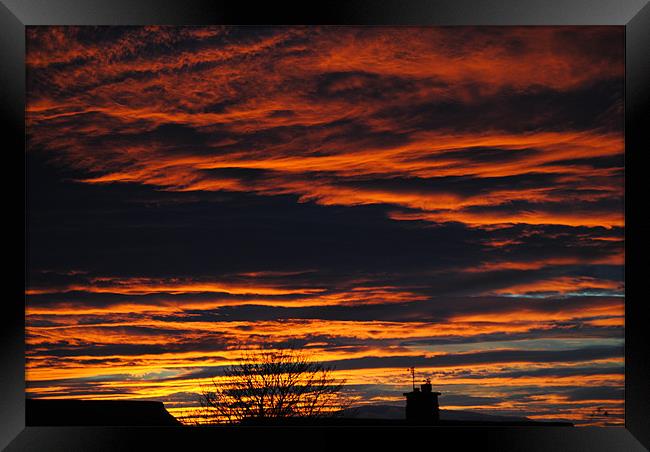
411, 370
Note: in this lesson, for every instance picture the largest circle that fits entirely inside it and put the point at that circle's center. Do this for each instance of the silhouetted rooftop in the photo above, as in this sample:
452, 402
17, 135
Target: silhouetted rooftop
67, 412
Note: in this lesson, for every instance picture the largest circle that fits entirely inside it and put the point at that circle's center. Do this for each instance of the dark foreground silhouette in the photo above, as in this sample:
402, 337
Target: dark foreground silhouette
336, 422
139, 413
446, 417
97, 413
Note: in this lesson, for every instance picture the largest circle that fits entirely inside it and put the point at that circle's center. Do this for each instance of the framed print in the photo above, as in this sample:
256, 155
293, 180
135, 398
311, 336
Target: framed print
259, 224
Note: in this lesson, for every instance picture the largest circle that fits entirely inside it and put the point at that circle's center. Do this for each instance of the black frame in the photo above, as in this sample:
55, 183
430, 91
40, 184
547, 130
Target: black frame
633, 14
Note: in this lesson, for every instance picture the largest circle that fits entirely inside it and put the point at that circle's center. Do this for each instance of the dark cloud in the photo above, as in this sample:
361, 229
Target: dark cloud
435, 309
463, 186
488, 357
557, 372
539, 108
601, 393
608, 161
213, 342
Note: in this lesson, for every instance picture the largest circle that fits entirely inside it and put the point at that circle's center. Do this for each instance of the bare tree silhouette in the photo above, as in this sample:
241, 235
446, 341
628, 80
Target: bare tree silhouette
274, 384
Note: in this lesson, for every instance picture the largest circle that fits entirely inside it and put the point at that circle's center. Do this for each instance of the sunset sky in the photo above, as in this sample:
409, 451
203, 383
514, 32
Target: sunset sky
449, 198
